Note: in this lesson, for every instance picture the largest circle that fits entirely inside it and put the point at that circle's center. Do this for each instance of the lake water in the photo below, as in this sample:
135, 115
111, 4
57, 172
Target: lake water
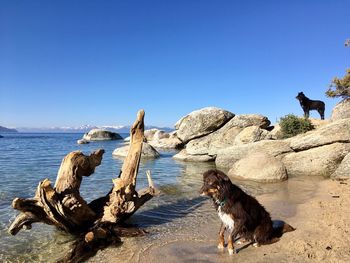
26, 159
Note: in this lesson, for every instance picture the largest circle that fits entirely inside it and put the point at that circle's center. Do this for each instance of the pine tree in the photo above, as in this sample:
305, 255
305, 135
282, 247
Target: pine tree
341, 87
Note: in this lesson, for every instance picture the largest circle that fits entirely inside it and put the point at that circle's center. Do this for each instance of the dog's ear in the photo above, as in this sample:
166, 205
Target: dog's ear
222, 176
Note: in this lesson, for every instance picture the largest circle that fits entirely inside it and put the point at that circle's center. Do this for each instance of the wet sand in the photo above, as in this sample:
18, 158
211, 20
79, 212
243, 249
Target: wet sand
319, 210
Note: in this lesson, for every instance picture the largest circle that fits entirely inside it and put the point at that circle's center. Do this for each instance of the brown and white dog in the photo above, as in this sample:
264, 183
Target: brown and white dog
240, 213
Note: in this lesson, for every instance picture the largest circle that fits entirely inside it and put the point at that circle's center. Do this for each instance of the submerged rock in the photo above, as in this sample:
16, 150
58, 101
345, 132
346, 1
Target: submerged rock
201, 122
101, 135
147, 151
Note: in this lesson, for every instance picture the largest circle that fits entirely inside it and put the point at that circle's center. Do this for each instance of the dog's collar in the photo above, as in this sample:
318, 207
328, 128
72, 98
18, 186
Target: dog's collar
221, 203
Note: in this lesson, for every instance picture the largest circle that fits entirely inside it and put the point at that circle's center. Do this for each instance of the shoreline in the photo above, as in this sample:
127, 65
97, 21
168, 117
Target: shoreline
321, 218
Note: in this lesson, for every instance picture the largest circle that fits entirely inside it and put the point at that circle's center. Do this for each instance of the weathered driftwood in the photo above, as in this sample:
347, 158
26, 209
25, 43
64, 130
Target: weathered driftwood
97, 223
62, 205
124, 200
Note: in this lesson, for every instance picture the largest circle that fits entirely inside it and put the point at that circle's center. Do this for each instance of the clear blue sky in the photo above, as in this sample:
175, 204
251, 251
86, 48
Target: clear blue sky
98, 62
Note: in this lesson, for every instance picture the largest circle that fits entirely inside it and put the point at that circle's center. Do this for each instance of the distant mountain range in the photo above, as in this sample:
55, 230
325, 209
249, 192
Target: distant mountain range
86, 128
4, 129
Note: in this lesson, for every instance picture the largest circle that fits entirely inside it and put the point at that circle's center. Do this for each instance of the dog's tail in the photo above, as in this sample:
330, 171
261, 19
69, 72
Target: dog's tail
281, 228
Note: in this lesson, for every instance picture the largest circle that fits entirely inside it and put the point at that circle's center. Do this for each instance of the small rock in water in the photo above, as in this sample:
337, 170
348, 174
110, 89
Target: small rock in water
82, 141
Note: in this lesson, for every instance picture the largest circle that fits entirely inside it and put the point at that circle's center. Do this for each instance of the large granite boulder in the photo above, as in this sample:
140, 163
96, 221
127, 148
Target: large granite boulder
101, 135
225, 136
341, 110
319, 161
338, 131
259, 166
184, 156
147, 151
225, 158
213, 142
251, 134
246, 120
343, 170
201, 122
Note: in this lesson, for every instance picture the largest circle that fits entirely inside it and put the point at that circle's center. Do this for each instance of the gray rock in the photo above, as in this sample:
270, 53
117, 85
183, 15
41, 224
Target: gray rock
319, 161
259, 166
225, 136
159, 134
213, 142
101, 135
246, 120
201, 122
166, 141
343, 170
317, 123
251, 134
227, 157
147, 151
341, 110
276, 134
82, 141
184, 156
337, 131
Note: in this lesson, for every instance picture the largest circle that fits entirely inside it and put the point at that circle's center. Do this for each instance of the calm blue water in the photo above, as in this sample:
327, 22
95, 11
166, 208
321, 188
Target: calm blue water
26, 159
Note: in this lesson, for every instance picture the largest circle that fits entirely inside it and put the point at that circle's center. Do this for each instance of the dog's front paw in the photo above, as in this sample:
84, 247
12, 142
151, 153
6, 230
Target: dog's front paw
221, 246
232, 251
240, 242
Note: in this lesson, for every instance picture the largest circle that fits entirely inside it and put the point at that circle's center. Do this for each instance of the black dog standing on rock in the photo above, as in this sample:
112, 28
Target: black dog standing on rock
308, 105
240, 213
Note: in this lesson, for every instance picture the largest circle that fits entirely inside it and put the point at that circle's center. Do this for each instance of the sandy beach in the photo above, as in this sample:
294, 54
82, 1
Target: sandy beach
321, 219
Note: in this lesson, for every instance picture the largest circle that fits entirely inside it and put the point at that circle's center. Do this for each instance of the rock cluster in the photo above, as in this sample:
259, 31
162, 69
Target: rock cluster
247, 147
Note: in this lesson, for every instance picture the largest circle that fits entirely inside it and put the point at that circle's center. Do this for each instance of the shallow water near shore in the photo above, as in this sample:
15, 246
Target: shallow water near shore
176, 215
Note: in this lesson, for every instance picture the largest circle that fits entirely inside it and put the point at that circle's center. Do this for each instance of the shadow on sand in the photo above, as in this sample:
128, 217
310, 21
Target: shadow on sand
166, 213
